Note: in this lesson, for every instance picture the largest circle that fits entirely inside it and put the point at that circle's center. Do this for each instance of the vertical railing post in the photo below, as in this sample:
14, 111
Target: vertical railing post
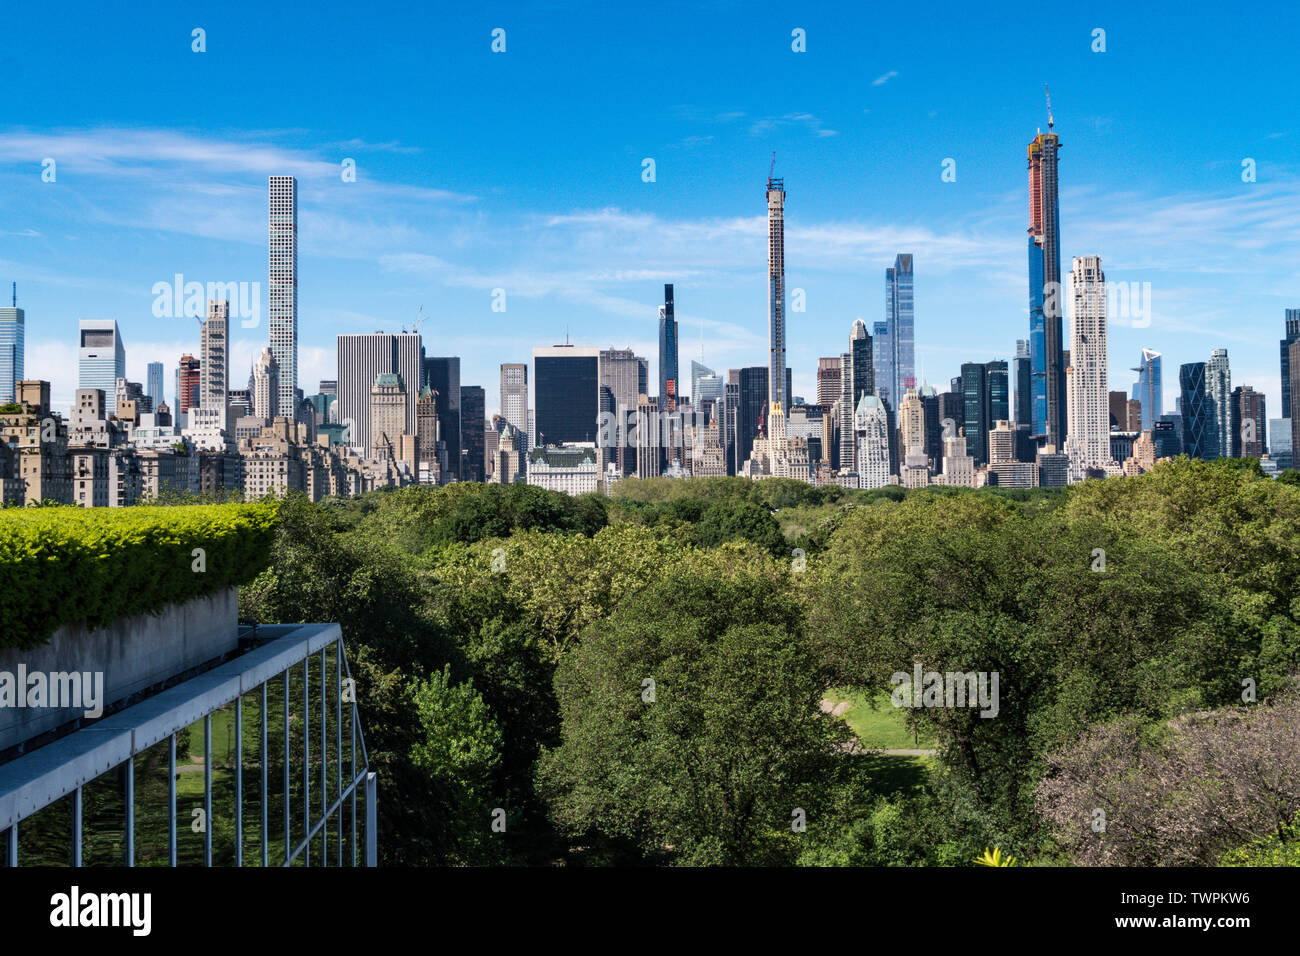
262, 759
239, 780
76, 827
372, 838
324, 765
130, 810
171, 801
207, 790
306, 757
286, 765
338, 741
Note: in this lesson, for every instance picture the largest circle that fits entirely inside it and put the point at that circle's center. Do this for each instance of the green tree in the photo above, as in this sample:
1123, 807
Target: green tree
714, 761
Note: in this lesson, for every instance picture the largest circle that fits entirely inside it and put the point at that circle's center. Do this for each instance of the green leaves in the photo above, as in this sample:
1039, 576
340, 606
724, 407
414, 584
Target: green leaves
73, 565
711, 767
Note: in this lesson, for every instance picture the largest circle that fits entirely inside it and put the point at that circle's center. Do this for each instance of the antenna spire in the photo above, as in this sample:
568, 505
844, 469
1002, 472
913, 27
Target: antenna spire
1049, 107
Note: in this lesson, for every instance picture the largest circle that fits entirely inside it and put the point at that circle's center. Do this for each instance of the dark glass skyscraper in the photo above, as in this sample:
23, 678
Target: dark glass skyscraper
1045, 294
998, 385
974, 393
1199, 437
473, 411
442, 374
862, 362
669, 376
1292, 335
566, 390
752, 403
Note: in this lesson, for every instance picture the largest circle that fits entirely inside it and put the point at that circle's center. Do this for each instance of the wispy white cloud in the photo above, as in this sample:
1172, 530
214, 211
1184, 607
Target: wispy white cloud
809, 121
884, 78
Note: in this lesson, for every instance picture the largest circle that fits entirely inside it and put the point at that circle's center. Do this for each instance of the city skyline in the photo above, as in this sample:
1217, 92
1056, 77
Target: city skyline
1194, 220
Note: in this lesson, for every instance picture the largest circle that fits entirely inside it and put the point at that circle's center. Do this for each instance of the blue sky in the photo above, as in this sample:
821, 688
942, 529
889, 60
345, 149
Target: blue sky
523, 171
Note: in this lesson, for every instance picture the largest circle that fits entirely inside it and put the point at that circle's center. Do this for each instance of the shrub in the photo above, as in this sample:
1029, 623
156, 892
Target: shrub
73, 565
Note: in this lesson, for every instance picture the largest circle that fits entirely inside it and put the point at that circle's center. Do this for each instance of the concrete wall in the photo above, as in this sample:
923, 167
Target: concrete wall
132, 653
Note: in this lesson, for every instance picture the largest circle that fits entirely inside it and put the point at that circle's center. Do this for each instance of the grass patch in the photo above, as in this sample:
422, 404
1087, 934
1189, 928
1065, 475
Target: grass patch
883, 727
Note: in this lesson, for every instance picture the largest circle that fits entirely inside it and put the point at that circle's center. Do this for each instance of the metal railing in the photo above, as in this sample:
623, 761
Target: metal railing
35, 781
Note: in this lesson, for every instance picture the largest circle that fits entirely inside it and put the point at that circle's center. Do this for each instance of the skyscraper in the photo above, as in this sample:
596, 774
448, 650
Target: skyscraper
473, 436
1199, 439
871, 433
360, 361
862, 363
844, 412
282, 315
1022, 408
750, 413
1045, 306
828, 381
389, 403
442, 374
998, 384
214, 358
882, 360
1088, 442
669, 380
623, 380
974, 390
1148, 388
911, 423
899, 317
566, 389
101, 358
776, 379
706, 384
1218, 387
12, 331
514, 394
1292, 335
266, 387
730, 413
189, 382
1248, 423
1293, 368
154, 383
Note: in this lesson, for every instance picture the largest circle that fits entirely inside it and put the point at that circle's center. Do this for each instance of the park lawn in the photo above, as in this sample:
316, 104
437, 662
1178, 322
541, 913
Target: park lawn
884, 727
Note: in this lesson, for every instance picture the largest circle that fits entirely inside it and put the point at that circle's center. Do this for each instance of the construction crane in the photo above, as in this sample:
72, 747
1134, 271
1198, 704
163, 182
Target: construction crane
771, 170
1049, 107
419, 318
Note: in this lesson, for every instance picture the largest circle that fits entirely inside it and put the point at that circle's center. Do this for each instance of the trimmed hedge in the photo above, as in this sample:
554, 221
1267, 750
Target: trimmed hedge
93, 565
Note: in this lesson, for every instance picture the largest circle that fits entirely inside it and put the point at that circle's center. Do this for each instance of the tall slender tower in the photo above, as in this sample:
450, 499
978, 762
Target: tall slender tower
670, 382
12, 330
1045, 294
900, 319
1089, 440
1148, 388
154, 380
1218, 387
776, 390
514, 394
214, 358
282, 274
863, 368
